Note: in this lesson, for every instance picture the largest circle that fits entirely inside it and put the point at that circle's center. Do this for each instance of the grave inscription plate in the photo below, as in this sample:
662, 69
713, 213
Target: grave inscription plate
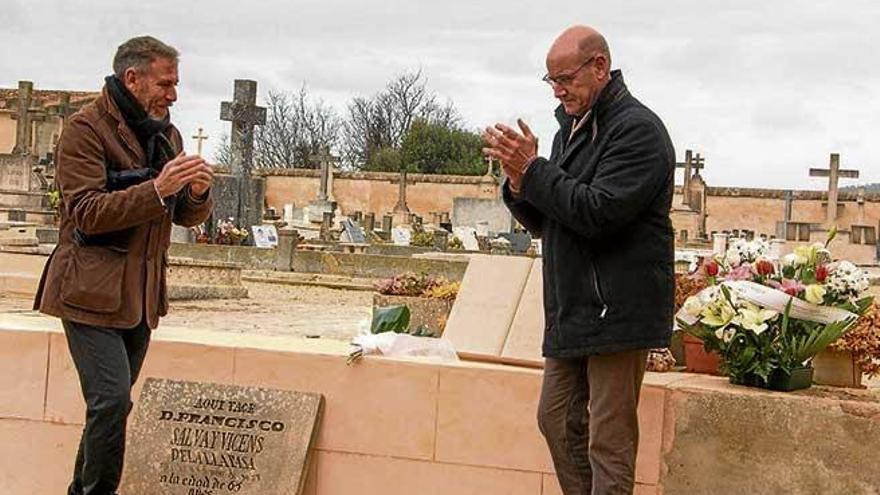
209, 439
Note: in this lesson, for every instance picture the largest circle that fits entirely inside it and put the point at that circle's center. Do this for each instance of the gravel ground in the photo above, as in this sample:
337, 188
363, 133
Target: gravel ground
269, 310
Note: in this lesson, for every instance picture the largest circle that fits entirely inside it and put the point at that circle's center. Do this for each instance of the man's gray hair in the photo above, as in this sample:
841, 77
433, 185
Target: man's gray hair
138, 53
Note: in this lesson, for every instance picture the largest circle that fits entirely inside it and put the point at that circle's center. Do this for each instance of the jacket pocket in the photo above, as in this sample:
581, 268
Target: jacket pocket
93, 279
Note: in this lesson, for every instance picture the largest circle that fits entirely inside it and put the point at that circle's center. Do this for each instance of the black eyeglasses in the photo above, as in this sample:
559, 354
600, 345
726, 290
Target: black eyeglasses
566, 79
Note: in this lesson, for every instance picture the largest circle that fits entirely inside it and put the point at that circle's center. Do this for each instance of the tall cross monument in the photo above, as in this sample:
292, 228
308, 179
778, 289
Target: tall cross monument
834, 174
244, 114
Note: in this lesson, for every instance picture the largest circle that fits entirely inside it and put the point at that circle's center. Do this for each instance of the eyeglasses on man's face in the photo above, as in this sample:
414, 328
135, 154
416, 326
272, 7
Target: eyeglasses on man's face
566, 79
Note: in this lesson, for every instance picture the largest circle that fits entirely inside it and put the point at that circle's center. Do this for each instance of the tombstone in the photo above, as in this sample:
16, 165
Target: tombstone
698, 199
25, 117
401, 213
441, 240
288, 239
269, 213
834, 173
519, 241
401, 235
241, 196
482, 228
468, 237
470, 211
692, 165
326, 226
202, 438
287, 214
369, 222
352, 232
17, 173
182, 235
719, 243
47, 235
323, 202
387, 222
783, 226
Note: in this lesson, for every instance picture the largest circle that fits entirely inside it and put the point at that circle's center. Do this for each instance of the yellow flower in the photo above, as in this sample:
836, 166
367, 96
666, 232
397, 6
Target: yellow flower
718, 314
815, 293
754, 318
804, 255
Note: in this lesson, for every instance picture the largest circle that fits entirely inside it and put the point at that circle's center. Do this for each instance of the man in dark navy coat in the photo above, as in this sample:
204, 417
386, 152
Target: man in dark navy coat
600, 205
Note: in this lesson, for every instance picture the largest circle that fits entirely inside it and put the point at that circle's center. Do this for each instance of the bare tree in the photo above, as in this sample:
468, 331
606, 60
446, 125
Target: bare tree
223, 153
381, 122
297, 129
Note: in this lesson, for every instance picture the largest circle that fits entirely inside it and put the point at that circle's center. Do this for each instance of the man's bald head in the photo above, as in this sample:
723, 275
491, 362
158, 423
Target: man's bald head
578, 68
580, 42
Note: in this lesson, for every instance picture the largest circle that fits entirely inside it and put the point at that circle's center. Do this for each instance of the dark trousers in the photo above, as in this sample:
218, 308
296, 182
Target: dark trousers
108, 361
588, 415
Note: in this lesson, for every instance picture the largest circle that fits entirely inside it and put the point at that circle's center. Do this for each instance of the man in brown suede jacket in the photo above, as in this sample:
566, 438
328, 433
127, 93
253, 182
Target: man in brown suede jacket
123, 179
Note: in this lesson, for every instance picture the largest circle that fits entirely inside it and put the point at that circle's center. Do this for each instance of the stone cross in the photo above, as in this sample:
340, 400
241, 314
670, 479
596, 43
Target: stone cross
246, 192
401, 206
63, 109
25, 116
244, 114
834, 173
326, 159
199, 138
690, 164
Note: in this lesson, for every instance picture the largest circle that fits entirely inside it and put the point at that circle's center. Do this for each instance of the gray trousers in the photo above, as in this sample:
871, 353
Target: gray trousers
587, 413
108, 362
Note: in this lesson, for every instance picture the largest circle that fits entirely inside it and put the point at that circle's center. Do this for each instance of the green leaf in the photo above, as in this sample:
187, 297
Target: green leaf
390, 319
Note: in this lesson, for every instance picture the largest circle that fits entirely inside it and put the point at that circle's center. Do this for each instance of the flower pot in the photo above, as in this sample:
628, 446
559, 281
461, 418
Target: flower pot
838, 369
799, 378
432, 313
696, 359
779, 380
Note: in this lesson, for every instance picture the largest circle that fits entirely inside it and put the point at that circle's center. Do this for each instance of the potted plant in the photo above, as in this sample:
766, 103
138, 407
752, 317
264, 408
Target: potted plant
696, 358
854, 355
768, 318
429, 298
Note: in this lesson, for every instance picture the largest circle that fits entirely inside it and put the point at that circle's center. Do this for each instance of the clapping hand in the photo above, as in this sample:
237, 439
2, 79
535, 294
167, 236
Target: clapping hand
515, 151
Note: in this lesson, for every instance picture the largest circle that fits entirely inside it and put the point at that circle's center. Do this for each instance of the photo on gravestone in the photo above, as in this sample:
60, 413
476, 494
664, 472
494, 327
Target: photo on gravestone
191, 438
265, 236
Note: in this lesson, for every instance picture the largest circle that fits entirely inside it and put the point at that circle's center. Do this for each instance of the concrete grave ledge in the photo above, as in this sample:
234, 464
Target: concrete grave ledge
397, 426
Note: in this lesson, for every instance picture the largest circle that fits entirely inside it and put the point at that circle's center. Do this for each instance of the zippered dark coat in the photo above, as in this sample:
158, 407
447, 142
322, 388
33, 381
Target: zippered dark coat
601, 207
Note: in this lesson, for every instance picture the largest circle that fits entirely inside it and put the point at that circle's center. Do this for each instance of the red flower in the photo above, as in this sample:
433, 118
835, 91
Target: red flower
764, 268
711, 268
821, 273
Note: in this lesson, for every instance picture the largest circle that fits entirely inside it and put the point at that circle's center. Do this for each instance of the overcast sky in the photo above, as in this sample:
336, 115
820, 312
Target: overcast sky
764, 90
